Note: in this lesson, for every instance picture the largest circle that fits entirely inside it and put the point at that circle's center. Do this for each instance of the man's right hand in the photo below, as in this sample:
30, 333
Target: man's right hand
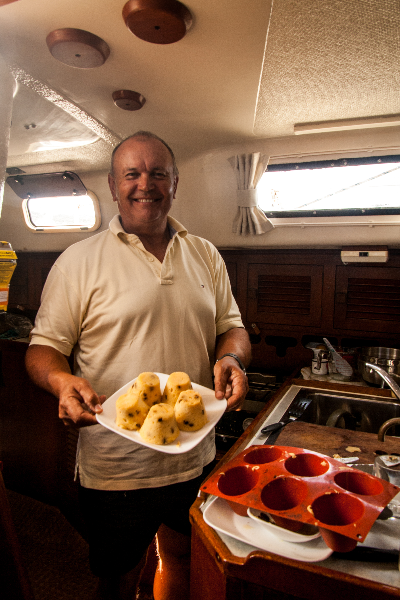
49, 369
78, 402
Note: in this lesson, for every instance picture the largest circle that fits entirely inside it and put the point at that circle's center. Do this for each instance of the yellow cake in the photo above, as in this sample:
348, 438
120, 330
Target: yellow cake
176, 383
131, 410
190, 413
160, 425
148, 385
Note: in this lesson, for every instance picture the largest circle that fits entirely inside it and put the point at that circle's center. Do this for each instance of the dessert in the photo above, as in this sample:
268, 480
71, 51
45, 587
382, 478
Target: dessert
160, 425
131, 410
190, 413
148, 384
177, 382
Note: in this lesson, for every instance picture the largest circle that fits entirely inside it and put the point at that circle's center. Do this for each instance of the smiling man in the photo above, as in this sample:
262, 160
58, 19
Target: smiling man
143, 183
145, 295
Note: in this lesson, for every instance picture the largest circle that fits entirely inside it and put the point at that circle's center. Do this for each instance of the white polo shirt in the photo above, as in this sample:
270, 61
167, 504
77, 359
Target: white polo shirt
123, 312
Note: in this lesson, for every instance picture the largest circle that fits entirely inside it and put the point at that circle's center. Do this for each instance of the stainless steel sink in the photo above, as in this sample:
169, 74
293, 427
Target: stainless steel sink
354, 411
358, 413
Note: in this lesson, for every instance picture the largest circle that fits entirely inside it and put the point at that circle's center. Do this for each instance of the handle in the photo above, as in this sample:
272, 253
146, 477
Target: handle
275, 426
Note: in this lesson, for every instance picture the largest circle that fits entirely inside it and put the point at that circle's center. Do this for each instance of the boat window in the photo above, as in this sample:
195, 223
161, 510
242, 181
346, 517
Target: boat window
62, 213
349, 187
56, 202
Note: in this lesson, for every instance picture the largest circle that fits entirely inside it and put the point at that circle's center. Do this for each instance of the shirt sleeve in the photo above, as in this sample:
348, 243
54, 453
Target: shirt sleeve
58, 321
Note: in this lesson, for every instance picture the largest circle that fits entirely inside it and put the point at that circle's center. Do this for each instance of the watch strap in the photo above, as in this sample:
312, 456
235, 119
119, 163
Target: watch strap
241, 365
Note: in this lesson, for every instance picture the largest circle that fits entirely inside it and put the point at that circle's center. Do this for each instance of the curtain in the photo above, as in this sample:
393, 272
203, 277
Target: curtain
249, 219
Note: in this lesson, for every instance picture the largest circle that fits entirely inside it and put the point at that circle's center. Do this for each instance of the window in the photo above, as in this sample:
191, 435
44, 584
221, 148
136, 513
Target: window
56, 202
62, 213
345, 187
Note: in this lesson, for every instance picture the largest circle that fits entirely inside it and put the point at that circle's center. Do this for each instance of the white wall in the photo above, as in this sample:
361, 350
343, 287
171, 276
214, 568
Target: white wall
206, 198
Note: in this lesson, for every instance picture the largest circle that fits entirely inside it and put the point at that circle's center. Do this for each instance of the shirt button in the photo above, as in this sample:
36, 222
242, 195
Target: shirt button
151, 258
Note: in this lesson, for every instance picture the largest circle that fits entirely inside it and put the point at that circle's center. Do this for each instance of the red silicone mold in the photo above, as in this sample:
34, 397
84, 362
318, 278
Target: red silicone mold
299, 486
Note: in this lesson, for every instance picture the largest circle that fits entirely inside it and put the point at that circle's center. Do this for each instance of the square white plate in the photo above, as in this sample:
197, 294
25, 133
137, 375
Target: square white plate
185, 440
219, 515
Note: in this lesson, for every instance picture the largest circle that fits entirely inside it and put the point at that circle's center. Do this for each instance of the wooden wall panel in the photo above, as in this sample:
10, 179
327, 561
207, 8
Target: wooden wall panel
329, 299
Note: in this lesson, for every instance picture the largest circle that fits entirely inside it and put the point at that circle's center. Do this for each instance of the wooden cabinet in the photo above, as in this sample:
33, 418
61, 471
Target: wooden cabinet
37, 450
367, 299
288, 298
284, 295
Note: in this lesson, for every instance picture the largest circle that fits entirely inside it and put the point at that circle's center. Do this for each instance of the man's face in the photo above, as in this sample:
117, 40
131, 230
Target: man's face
143, 184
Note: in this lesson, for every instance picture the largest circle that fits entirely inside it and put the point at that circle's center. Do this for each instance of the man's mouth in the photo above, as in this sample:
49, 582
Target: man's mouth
145, 200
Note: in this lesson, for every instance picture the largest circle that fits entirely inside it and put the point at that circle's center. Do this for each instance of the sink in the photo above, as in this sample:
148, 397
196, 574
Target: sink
347, 411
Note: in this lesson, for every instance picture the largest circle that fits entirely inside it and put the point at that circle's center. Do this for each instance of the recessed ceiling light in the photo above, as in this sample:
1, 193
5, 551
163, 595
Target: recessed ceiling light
78, 48
128, 100
157, 21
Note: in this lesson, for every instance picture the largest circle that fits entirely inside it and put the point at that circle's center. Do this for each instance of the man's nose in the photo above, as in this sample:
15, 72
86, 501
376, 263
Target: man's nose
145, 182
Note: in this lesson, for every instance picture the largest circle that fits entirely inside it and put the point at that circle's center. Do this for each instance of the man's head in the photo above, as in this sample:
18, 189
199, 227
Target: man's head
149, 136
143, 182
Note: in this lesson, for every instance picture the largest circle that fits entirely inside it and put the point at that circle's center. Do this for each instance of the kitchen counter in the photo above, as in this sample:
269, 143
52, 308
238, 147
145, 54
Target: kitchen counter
227, 568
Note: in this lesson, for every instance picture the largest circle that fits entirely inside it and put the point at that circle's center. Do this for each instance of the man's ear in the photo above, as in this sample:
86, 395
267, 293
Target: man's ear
175, 185
111, 183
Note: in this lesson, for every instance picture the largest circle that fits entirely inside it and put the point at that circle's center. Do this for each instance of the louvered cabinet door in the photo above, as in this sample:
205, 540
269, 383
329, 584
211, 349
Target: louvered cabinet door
368, 299
285, 294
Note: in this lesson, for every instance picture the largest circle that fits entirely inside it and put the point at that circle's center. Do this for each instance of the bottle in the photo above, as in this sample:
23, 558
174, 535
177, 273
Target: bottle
8, 262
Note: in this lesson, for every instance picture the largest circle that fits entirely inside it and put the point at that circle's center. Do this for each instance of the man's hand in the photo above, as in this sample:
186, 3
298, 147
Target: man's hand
230, 382
78, 402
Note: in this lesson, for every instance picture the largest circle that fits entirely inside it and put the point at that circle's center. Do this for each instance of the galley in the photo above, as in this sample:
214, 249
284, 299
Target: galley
199, 299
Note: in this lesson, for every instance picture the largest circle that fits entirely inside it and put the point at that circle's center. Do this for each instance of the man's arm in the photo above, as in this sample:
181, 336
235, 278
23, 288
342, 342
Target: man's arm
229, 380
49, 369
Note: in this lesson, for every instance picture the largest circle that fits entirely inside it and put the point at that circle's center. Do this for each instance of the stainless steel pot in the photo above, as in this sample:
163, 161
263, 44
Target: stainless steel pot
386, 358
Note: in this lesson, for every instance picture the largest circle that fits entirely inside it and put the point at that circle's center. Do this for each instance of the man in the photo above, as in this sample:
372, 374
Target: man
142, 296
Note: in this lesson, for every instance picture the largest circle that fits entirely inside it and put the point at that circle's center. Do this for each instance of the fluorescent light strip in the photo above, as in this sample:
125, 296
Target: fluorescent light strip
343, 125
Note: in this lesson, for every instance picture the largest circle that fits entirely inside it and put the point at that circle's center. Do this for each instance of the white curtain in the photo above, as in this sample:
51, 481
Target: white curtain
249, 219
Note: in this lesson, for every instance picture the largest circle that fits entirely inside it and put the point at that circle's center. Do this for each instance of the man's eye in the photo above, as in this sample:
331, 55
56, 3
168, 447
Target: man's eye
159, 175
132, 175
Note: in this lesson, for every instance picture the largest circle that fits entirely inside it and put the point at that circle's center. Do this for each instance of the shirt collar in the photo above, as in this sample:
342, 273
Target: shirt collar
175, 228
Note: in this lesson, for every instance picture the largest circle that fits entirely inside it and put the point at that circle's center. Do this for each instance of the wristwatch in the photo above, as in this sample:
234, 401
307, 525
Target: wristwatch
241, 365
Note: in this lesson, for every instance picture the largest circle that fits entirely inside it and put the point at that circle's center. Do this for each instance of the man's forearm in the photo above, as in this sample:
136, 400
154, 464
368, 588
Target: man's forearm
46, 367
237, 342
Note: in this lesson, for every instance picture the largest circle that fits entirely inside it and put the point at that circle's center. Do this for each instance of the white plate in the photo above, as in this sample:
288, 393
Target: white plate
185, 440
280, 532
221, 517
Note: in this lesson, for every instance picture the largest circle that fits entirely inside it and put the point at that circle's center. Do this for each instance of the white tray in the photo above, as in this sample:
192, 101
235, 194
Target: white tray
280, 532
221, 517
185, 440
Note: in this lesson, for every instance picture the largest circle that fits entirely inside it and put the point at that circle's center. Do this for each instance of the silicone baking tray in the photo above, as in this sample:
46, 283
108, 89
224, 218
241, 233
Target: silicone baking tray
298, 486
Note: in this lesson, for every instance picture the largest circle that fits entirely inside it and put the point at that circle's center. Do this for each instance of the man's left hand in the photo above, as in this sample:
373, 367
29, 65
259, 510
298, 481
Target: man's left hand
230, 382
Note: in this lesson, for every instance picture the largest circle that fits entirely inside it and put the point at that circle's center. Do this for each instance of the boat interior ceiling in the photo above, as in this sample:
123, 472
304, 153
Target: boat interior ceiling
242, 77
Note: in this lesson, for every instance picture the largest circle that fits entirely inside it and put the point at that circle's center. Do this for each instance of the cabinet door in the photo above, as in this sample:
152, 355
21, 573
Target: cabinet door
368, 299
231, 267
285, 294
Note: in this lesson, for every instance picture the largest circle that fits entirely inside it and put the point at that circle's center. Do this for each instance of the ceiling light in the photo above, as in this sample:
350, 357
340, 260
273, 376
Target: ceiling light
78, 48
128, 100
157, 21
344, 124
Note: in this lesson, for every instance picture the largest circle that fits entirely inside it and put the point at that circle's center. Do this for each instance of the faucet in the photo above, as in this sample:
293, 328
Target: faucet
396, 390
386, 377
